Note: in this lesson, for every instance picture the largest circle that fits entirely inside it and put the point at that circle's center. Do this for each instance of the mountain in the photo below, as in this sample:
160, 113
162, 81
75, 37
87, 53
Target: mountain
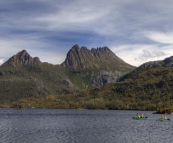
23, 76
99, 65
99, 58
22, 58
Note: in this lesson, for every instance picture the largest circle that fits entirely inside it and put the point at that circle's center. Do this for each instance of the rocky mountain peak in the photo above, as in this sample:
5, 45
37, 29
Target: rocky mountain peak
22, 58
101, 52
75, 57
83, 58
75, 47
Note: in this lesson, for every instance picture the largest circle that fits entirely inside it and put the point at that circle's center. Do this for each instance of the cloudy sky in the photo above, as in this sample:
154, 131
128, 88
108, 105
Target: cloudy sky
137, 31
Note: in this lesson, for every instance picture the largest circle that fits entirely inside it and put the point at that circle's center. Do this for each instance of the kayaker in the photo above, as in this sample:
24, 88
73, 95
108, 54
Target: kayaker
139, 116
165, 118
142, 115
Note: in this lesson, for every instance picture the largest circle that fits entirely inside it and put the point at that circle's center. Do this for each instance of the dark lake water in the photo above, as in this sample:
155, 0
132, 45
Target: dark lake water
82, 126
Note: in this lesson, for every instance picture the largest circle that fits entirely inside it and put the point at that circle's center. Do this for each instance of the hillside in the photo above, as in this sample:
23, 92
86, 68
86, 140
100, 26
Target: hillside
166, 63
148, 87
23, 76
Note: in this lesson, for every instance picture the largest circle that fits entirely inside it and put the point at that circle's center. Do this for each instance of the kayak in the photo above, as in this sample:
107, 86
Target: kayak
163, 120
136, 118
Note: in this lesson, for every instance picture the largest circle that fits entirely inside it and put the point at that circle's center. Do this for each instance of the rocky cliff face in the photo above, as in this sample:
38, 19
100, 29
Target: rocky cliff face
22, 58
104, 77
98, 58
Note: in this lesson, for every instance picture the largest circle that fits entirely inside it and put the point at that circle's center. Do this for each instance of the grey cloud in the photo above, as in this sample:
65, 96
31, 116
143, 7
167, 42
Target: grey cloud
117, 18
146, 55
117, 22
2, 60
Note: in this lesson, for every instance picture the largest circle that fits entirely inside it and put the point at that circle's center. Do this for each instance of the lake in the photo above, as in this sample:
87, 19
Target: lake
82, 126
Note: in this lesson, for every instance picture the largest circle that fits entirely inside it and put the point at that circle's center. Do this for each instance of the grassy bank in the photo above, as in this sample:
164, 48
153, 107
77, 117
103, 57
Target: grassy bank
85, 102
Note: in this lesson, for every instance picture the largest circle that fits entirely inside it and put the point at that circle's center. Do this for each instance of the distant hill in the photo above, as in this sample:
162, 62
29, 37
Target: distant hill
145, 90
166, 63
23, 76
148, 87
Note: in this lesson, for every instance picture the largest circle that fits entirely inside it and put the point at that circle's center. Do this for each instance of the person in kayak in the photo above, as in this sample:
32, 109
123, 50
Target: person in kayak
164, 118
142, 115
137, 115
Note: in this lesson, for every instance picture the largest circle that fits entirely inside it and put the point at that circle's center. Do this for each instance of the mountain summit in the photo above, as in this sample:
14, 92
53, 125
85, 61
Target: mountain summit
22, 58
96, 58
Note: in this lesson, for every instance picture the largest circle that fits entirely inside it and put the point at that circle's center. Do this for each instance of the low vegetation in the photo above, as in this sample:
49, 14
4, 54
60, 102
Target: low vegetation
165, 111
151, 90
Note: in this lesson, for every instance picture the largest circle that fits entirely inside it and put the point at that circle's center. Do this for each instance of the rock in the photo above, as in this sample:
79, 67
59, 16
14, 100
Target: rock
104, 77
67, 82
22, 58
96, 58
